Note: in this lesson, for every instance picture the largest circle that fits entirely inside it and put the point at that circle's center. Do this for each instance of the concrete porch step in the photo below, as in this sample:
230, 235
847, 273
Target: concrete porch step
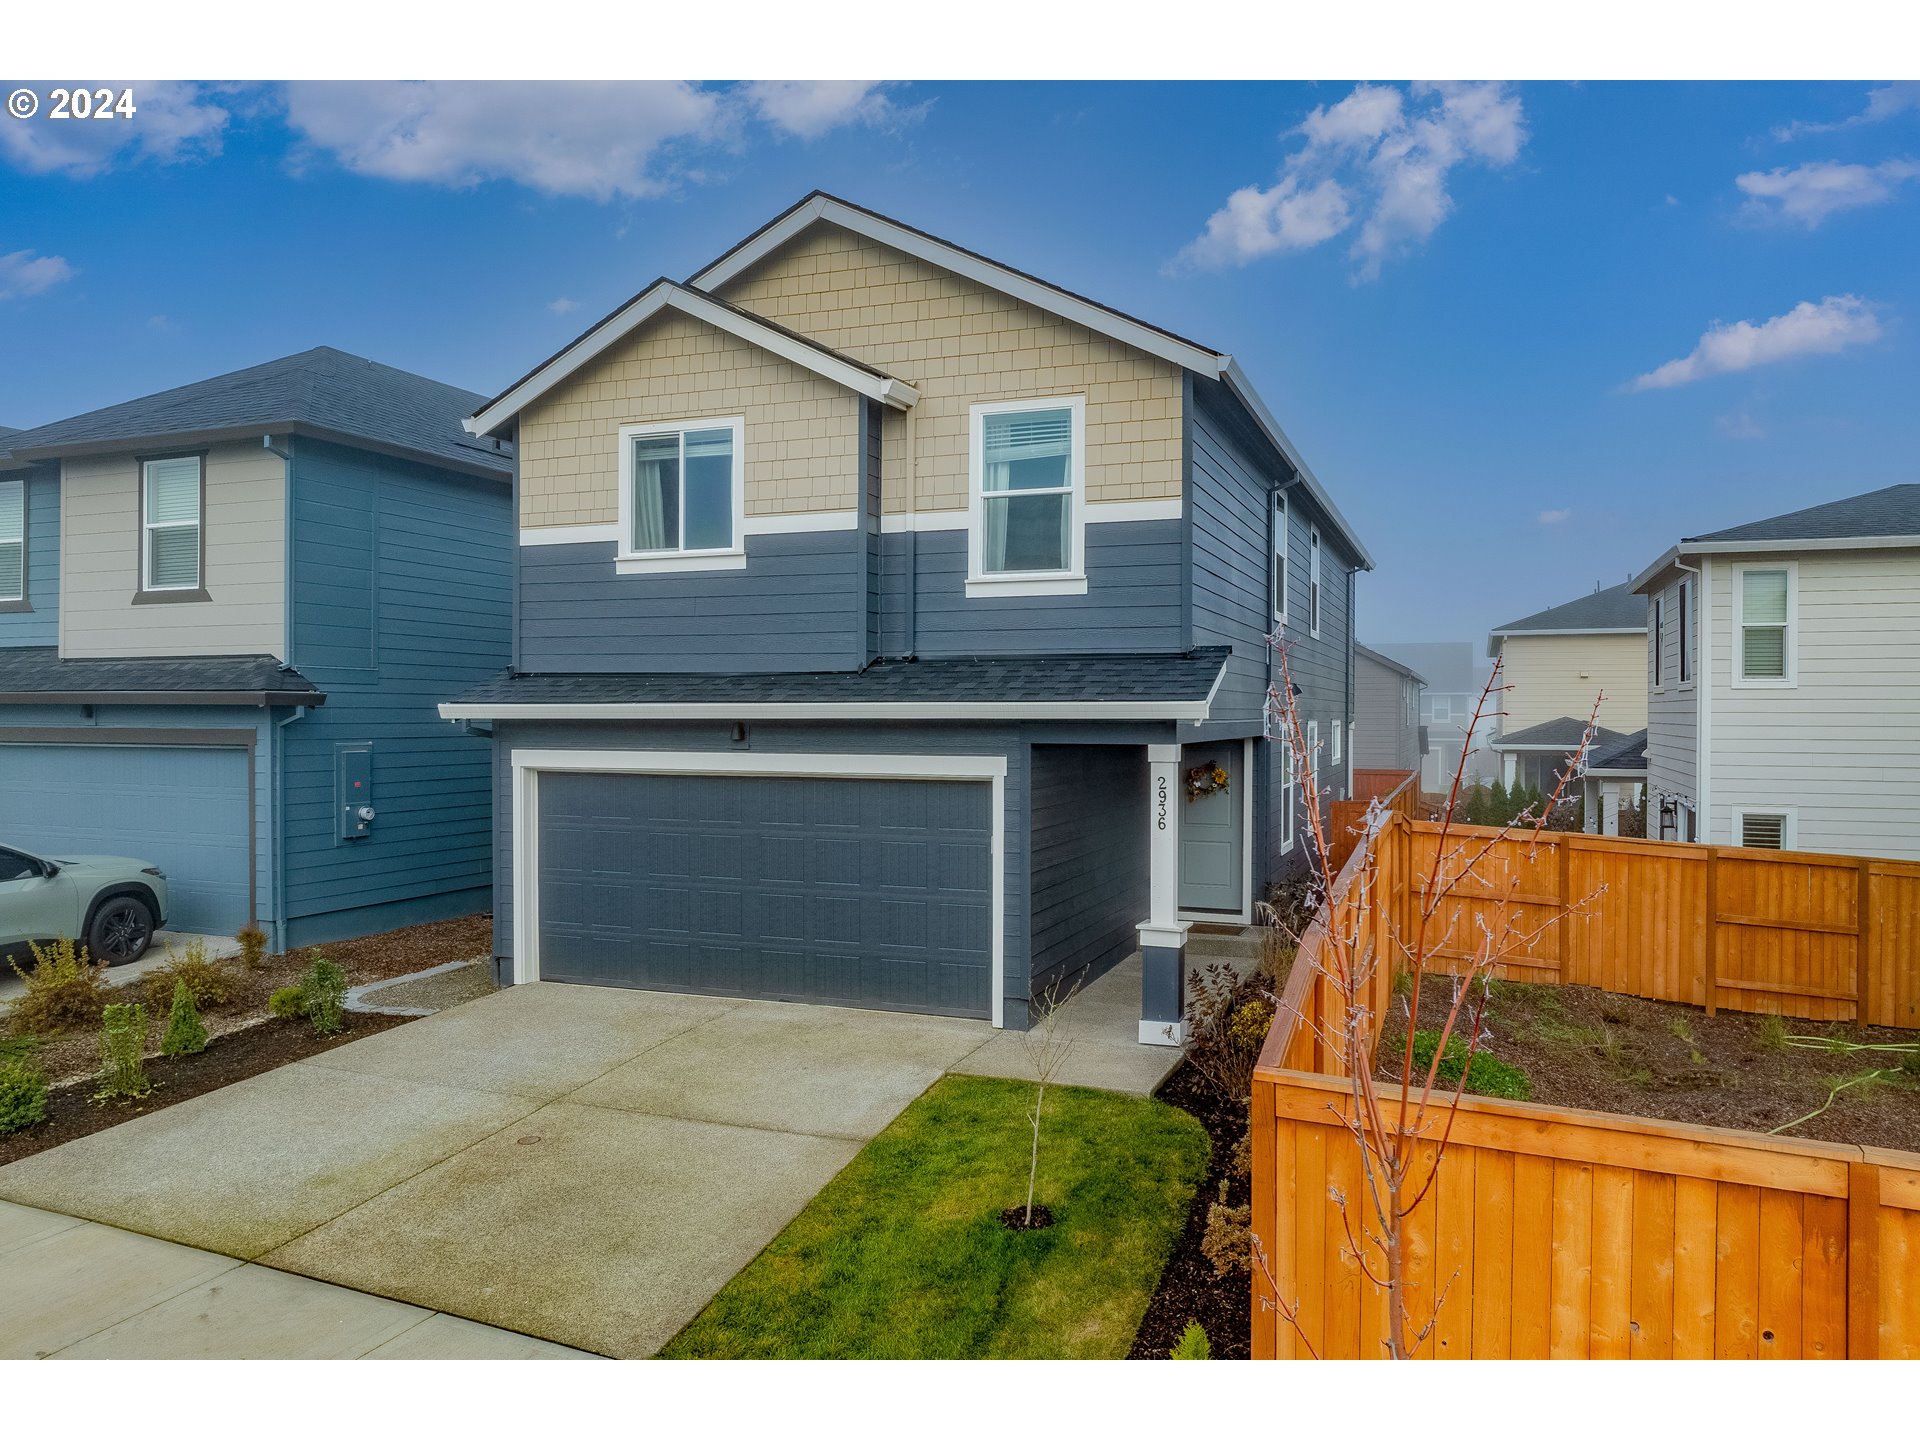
1221, 942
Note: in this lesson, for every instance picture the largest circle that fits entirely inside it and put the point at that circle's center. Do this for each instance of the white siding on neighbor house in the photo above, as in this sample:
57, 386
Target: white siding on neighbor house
1382, 737
1672, 708
1841, 746
244, 517
1554, 675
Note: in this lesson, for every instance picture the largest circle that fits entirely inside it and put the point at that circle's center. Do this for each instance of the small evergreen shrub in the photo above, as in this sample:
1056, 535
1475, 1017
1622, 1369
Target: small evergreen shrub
1192, 1344
185, 1034
1228, 1242
253, 945
1487, 1076
23, 1086
323, 993
123, 1045
210, 982
65, 991
289, 1002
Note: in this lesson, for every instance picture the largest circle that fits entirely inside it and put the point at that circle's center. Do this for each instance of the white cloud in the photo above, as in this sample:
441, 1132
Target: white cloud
562, 306
1740, 425
173, 121
1883, 103
1835, 323
1809, 193
24, 273
810, 108
1381, 157
1553, 517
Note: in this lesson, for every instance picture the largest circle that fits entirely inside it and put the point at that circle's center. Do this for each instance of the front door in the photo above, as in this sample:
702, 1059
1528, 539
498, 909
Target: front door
1212, 828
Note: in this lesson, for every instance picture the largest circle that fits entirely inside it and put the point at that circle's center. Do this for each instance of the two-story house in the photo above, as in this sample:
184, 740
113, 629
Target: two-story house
1387, 730
1555, 664
227, 612
1783, 660
890, 630
1454, 684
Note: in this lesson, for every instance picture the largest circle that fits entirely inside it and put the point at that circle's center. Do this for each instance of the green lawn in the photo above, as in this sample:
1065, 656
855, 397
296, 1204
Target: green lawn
903, 1254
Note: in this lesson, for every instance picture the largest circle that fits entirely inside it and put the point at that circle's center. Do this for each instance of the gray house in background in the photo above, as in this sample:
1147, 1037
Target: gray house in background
890, 630
1454, 679
1387, 733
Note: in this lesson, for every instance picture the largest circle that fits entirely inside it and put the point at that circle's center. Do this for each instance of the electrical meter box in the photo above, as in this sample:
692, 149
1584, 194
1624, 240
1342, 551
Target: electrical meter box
353, 789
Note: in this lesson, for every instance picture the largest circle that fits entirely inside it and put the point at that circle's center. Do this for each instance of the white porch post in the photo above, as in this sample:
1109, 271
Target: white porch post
1590, 793
1609, 808
1163, 938
1510, 762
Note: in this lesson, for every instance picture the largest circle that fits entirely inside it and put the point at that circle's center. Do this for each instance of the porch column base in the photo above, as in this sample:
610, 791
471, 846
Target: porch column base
1163, 984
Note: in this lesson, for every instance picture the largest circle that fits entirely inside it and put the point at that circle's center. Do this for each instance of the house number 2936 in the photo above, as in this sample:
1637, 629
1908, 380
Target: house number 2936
1160, 802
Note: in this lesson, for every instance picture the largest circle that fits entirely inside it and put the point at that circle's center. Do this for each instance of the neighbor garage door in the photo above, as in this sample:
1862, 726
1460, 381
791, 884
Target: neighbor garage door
183, 808
859, 892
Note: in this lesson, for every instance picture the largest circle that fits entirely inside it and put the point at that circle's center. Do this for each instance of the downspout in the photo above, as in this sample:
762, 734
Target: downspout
276, 760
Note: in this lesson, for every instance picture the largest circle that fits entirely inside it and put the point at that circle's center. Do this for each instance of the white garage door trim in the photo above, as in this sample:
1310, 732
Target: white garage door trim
529, 764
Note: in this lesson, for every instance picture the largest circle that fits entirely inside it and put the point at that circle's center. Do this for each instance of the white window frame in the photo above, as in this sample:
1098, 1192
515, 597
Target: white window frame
1789, 824
1072, 580
1435, 704
1791, 680
21, 540
1279, 555
1334, 736
1683, 668
147, 527
629, 561
1659, 641
1313, 582
1291, 779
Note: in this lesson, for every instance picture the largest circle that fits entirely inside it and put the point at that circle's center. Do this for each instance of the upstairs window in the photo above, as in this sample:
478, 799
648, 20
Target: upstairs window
172, 498
1313, 583
1027, 519
13, 541
1279, 548
1335, 735
1659, 640
1442, 707
1764, 614
1686, 631
683, 488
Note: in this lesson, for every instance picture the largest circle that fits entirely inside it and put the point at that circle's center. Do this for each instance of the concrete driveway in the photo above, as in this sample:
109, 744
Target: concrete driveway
579, 1164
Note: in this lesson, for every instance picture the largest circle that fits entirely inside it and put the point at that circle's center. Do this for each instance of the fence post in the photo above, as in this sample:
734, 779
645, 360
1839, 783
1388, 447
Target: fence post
1863, 993
1713, 928
1863, 1261
1564, 941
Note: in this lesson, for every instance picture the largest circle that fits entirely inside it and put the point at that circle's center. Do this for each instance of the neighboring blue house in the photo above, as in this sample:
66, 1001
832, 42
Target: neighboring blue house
226, 614
890, 630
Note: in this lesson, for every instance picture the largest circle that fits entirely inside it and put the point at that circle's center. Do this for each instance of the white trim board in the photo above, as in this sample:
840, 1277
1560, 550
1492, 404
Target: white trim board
529, 765
1097, 512
811, 522
1190, 710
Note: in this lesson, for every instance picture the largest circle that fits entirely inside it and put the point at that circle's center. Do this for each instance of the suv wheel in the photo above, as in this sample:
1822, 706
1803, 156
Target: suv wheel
121, 931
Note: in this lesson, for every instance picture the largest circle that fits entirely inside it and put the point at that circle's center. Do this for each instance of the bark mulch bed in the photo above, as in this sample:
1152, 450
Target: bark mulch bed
238, 1055
1189, 1288
1594, 1050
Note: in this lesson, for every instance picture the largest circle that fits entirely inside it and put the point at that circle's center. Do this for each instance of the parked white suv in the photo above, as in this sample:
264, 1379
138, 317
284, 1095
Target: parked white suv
109, 903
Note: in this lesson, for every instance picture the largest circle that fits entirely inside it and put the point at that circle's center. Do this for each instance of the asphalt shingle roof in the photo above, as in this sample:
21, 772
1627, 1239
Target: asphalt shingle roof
1629, 754
1892, 511
35, 672
321, 390
1615, 608
1039, 679
1566, 731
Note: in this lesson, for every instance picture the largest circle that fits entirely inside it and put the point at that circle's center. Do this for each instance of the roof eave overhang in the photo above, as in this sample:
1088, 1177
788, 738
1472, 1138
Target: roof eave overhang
1689, 549
499, 468
1616, 772
497, 414
1175, 710
257, 699
1574, 630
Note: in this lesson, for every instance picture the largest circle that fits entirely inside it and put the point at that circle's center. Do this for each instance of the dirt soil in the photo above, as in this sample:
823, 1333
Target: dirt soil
1593, 1050
374, 957
238, 1055
1189, 1288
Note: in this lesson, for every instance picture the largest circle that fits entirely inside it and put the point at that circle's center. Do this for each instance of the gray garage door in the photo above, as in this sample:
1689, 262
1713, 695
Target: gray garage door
182, 807
856, 892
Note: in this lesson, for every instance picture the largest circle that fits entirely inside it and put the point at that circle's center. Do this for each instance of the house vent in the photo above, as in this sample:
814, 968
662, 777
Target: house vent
1763, 832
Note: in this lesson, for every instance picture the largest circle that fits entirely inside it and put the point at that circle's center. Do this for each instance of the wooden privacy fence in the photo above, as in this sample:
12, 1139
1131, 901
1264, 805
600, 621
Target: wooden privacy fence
1566, 1233
1396, 790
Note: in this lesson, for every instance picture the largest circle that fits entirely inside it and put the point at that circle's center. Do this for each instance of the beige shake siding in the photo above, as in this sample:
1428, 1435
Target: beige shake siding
244, 516
801, 430
1555, 675
1672, 706
962, 344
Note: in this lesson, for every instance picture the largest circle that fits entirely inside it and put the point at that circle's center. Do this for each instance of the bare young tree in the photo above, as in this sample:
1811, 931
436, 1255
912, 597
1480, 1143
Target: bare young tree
1401, 1123
1046, 1042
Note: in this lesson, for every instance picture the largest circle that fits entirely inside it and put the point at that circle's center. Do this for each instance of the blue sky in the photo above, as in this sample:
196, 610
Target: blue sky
1527, 335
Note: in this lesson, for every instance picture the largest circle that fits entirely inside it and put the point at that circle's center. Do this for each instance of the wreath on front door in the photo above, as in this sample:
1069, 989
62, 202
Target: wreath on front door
1207, 780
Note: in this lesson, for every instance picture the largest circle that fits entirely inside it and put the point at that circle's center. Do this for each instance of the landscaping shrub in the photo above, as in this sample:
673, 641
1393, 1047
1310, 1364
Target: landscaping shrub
1228, 1242
185, 1034
1192, 1344
209, 981
1772, 1034
289, 1002
1487, 1076
323, 994
253, 945
65, 990
123, 1045
1226, 1027
23, 1086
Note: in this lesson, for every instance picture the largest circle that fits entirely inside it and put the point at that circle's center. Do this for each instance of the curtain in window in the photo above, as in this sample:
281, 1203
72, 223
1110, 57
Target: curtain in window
173, 523
1027, 484
13, 540
709, 490
656, 492
1763, 616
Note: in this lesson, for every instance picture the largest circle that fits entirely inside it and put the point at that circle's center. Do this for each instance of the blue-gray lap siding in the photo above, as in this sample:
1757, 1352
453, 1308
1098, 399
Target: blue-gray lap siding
1088, 823
40, 624
399, 596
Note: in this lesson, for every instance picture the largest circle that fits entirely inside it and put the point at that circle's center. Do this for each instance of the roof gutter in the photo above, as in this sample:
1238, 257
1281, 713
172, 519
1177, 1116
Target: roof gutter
258, 699
1771, 547
1192, 711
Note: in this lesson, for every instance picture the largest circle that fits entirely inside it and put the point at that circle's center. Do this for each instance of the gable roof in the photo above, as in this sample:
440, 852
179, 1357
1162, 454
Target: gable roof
1561, 733
1367, 653
664, 294
1629, 754
322, 392
820, 207
1614, 611
37, 675
1880, 519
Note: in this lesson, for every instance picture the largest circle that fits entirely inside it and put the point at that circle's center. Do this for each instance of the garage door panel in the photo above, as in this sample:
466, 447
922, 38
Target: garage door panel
834, 890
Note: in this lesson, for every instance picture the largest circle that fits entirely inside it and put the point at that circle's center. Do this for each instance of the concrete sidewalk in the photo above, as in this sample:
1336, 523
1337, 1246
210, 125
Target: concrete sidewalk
77, 1290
